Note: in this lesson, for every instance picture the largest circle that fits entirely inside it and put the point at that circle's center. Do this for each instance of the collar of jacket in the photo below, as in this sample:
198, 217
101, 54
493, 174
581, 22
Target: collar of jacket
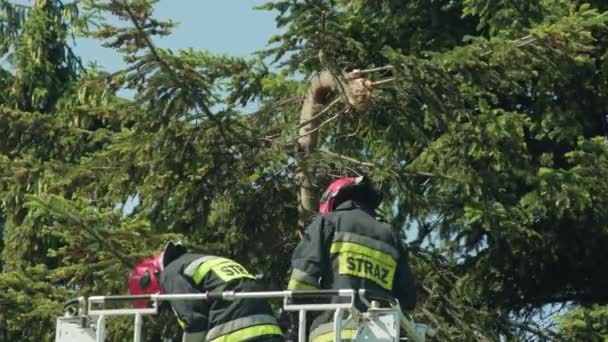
171, 252
350, 204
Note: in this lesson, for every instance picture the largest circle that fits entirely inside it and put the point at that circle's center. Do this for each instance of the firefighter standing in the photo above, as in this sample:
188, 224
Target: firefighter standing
176, 271
347, 248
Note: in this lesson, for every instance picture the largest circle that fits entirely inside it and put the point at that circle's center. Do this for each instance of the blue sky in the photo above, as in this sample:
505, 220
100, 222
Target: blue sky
220, 26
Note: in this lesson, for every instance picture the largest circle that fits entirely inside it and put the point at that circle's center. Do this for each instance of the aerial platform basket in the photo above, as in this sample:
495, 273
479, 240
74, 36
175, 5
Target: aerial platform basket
84, 320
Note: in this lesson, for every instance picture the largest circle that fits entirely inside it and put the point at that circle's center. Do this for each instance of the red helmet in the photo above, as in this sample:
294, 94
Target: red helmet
144, 278
370, 194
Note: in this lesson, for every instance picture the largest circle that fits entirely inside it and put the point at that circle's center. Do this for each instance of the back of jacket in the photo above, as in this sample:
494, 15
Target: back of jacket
347, 249
219, 319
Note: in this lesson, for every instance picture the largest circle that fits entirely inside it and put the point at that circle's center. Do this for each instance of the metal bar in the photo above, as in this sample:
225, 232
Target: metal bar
410, 329
228, 295
366, 296
338, 325
325, 306
320, 293
82, 306
138, 325
153, 311
122, 312
407, 324
101, 329
119, 298
349, 292
184, 296
302, 326
231, 295
317, 307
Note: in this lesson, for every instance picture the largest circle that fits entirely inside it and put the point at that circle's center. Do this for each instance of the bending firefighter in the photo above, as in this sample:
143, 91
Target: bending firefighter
347, 248
176, 271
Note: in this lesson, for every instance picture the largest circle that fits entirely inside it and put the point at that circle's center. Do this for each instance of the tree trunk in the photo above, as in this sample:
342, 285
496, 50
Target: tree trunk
322, 86
318, 96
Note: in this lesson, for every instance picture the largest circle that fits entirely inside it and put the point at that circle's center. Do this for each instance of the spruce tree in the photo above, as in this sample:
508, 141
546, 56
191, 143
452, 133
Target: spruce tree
486, 130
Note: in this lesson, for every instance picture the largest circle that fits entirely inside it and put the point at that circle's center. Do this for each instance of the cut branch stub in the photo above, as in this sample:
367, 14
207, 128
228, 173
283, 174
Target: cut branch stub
318, 96
359, 94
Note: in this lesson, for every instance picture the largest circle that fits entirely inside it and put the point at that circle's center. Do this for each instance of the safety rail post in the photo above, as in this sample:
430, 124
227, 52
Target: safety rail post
410, 329
101, 328
138, 326
302, 326
338, 325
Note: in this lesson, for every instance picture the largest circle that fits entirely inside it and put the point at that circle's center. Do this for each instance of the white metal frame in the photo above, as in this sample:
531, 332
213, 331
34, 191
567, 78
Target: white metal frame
91, 306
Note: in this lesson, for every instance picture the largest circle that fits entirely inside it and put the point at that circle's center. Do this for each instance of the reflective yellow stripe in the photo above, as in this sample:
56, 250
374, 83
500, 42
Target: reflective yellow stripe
329, 337
296, 285
361, 261
250, 332
205, 267
340, 247
224, 268
363, 240
181, 323
240, 323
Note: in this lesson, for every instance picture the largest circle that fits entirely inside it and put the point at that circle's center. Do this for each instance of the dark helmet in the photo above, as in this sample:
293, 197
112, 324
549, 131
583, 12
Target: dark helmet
359, 189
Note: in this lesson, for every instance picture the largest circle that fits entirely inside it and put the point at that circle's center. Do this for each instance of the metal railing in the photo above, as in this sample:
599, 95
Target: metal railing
95, 307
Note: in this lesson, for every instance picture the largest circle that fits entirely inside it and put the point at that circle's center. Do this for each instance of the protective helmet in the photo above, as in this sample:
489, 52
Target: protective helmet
359, 189
144, 277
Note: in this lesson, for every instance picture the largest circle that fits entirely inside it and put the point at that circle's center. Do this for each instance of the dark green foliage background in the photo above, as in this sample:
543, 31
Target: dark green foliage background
489, 145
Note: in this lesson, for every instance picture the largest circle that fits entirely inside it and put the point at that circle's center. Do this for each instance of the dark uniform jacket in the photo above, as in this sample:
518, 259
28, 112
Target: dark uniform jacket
349, 249
238, 320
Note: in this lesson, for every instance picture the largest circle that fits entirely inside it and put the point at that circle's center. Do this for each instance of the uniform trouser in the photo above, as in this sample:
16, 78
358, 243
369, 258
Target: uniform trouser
322, 329
267, 339
193, 337
200, 337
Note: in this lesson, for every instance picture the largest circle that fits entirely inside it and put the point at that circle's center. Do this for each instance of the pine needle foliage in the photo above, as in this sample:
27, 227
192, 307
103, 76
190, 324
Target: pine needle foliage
489, 143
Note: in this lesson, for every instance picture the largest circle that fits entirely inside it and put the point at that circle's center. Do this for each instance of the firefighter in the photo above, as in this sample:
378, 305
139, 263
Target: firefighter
177, 271
345, 247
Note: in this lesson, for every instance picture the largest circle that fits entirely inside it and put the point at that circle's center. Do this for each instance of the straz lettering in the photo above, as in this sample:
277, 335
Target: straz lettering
230, 270
234, 269
367, 267
361, 265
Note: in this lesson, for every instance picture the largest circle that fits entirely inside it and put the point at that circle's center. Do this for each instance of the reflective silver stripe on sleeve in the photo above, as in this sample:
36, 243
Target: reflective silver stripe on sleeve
304, 277
368, 242
322, 329
325, 328
193, 266
198, 336
238, 324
